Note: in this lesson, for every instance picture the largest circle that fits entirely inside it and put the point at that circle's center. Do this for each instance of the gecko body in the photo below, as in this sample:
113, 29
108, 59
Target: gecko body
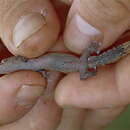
66, 62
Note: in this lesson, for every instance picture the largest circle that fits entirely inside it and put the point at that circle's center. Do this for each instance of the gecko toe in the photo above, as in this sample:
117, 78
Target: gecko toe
94, 47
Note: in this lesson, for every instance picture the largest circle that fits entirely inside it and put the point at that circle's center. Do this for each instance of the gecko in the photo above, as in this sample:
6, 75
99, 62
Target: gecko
67, 63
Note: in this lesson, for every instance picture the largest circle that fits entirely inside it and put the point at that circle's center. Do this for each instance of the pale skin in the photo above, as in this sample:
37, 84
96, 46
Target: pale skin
104, 96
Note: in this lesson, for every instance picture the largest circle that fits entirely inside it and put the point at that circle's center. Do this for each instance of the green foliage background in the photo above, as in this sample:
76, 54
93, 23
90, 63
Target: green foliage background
122, 122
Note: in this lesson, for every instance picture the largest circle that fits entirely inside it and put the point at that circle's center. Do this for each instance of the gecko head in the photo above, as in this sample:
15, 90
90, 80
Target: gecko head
11, 64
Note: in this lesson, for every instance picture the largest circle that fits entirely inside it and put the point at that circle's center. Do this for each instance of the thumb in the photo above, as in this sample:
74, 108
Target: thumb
102, 21
28, 27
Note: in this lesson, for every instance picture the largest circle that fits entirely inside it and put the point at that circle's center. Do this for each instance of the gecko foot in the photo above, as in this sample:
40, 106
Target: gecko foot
83, 69
94, 47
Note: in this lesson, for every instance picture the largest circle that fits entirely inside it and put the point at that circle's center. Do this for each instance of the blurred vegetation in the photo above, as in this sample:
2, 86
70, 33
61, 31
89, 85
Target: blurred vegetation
122, 122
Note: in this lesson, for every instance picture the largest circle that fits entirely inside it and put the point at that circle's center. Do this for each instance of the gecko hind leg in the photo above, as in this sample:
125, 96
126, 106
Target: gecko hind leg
83, 69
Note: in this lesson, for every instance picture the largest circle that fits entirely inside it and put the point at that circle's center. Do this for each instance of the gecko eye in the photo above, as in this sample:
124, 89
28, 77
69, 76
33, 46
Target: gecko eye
20, 58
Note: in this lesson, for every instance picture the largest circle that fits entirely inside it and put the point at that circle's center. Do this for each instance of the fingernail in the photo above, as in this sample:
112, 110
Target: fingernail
80, 33
27, 26
84, 27
29, 94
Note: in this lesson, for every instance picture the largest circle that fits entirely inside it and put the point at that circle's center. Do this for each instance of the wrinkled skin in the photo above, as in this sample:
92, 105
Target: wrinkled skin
63, 102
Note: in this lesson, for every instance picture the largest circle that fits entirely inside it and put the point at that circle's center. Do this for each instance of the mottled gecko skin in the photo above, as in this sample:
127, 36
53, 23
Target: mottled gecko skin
65, 62
110, 56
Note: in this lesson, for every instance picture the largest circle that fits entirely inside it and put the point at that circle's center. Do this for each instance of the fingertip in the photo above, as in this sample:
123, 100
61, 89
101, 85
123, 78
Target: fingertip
32, 30
79, 34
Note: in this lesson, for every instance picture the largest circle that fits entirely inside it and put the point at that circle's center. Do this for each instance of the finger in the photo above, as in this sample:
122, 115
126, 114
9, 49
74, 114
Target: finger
45, 114
19, 92
42, 116
122, 77
72, 119
95, 92
109, 88
102, 21
100, 118
28, 28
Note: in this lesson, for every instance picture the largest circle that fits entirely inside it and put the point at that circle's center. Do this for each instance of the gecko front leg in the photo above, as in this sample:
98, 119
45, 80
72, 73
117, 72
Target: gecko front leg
83, 68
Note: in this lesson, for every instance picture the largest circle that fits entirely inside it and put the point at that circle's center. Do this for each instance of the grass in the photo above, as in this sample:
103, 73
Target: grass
122, 123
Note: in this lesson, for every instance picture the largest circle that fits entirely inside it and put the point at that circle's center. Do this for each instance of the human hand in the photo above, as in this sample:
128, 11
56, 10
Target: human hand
48, 115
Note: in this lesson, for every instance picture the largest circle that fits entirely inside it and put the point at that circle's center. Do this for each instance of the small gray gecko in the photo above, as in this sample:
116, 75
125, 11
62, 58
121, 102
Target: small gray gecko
66, 62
